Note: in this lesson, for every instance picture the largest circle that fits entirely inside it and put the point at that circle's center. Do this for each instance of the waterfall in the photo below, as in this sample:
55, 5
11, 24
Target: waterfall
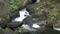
23, 14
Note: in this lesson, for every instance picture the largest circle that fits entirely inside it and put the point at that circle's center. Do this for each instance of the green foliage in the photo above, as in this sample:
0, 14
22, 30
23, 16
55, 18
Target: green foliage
13, 4
52, 15
17, 4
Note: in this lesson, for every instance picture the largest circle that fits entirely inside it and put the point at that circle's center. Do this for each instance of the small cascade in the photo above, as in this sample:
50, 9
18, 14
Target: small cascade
26, 26
23, 14
58, 29
32, 27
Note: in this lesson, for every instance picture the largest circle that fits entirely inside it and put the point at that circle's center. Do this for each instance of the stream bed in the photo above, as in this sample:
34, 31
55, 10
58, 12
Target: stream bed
33, 28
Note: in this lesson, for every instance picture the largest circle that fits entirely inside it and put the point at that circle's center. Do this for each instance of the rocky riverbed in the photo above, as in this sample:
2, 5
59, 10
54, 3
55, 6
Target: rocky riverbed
29, 16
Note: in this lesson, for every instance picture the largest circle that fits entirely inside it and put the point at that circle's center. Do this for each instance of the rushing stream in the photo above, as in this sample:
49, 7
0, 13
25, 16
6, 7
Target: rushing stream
23, 14
33, 27
58, 29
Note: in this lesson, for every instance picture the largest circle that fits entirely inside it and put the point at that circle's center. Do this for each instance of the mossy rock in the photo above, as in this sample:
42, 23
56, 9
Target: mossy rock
3, 22
7, 31
14, 24
23, 31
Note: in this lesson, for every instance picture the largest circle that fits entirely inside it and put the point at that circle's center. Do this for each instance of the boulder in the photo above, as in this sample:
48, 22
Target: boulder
14, 25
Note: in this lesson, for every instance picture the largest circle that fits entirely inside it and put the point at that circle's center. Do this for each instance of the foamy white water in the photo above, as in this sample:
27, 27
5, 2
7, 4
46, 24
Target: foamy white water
35, 26
23, 14
26, 26
37, 1
58, 29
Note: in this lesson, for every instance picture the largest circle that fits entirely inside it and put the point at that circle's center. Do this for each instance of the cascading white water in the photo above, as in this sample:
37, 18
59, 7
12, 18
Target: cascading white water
26, 26
35, 26
23, 14
37, 1
58, 29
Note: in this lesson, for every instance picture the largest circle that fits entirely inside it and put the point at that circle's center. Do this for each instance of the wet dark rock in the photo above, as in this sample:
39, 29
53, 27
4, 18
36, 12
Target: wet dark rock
14, 15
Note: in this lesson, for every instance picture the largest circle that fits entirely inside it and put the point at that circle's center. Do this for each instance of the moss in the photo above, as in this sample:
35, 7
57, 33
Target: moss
14, 24
23, 31
17, 4
5, 31
14, 4
52, 15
